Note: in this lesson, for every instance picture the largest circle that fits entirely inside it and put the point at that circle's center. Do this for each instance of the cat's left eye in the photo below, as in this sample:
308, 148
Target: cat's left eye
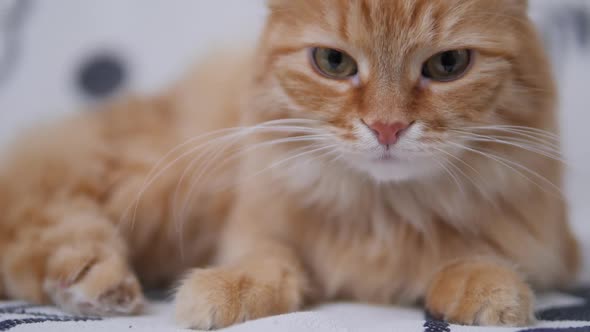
447, 66
333, 63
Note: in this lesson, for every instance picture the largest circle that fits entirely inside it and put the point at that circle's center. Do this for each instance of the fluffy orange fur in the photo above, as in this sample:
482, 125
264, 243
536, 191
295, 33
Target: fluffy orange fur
294, 206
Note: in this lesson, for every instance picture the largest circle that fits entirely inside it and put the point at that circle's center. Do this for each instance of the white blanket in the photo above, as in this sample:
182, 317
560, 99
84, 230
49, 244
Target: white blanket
158, 52
556, 312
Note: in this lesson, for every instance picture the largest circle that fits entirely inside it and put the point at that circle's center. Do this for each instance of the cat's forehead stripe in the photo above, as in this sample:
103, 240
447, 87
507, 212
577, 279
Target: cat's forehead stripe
394, 27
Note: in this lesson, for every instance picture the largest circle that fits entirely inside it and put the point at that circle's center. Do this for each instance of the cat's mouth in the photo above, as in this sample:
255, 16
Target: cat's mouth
387, 158
393, 164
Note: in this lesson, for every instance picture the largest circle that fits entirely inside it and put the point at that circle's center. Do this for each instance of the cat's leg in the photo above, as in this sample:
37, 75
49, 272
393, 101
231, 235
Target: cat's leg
266, 278
481, 292
77, 261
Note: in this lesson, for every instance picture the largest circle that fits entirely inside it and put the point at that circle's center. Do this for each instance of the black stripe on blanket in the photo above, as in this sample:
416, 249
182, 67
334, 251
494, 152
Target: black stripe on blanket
577, 313
34, 317
580, 313
436, 326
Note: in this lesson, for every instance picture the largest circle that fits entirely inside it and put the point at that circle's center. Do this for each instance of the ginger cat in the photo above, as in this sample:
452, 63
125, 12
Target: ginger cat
383, 151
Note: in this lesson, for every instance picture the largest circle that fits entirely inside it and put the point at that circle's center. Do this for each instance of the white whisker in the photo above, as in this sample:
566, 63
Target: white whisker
507, 163
271, 126
529, 139
291, 158
204, 168
519, 129
521, 144
452, 175
469, 178
195, 178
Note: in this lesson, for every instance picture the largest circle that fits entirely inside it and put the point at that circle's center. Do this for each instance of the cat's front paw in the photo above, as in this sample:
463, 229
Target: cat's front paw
92, 283
217, 298
480, 293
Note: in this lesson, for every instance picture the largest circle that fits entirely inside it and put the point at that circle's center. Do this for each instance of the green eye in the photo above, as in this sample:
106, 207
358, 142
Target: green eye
447, 66
333, 63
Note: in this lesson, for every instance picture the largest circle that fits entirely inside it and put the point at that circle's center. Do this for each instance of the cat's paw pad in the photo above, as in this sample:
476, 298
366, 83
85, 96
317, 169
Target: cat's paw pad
474, 294
91, 284
218, 298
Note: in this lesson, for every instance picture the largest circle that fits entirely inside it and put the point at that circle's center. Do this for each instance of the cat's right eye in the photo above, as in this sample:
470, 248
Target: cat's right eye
333, 63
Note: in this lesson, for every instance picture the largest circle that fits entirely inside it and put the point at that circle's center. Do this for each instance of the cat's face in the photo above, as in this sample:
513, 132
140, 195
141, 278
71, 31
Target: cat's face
392, 80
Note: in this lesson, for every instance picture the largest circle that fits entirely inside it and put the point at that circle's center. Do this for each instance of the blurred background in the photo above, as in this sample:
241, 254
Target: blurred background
65, 56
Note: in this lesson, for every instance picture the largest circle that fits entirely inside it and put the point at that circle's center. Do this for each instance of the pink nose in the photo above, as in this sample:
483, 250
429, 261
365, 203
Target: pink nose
388, 134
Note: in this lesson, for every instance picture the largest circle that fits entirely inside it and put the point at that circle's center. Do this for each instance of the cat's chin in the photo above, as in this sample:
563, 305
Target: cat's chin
395, 170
